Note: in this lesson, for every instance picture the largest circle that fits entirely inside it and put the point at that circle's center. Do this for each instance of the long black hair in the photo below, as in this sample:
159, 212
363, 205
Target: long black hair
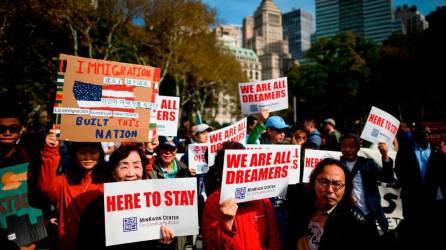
76, 173
318, 169
121, 153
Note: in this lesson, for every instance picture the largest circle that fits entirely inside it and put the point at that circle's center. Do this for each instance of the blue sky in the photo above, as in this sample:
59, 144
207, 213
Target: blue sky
233, 11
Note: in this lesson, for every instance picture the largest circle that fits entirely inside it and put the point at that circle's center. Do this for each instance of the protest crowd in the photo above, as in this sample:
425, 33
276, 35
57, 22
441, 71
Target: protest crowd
305, 199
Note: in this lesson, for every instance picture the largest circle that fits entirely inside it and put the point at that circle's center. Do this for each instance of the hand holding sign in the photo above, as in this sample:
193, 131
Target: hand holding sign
167, 236
229, 209
382, 147
51, 139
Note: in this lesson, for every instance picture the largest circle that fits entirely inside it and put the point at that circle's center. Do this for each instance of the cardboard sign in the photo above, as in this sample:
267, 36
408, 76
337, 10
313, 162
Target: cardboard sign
197, 157
255, 174
235, 132
101, 101
22, 224
295, 168
167, 112
135, 210
271, 94
313, 157
380, 126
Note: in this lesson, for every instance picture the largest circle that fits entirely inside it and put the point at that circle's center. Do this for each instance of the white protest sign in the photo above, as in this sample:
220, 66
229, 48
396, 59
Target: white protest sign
313, 157
375, 155
271, 94
391, 204
235, 132
380, 126
197, 157
135, 210
294, 170
167, 113
255, 174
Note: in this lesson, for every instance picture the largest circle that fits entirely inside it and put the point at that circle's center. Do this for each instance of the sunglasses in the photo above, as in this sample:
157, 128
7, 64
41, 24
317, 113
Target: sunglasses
14, 129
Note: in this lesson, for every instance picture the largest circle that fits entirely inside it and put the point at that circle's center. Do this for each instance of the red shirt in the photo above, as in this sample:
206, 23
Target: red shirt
70, 200
254, 227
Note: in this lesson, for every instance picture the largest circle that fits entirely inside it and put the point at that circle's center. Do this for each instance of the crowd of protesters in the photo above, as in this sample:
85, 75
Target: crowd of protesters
340, 208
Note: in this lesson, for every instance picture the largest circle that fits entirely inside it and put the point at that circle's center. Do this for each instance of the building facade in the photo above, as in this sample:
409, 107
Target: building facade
298, 28
263, 33
372, 19
232, 34
413, 21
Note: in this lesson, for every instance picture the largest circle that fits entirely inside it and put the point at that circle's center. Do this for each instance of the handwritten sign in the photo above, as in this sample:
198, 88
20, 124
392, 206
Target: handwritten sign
270, 94
102, 101
380, 126
135, 210
197, 157
235, 132
255, 174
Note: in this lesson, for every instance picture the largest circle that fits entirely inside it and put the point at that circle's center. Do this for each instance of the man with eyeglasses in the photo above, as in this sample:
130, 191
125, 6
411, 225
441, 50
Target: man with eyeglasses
324, 218
166, 164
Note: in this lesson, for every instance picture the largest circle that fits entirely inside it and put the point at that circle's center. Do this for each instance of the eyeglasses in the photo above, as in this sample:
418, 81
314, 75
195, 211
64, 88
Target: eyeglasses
326, 184
300, 137
14, 129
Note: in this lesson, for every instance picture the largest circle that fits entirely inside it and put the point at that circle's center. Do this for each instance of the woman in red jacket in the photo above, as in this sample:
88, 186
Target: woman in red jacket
72, 192
248, 225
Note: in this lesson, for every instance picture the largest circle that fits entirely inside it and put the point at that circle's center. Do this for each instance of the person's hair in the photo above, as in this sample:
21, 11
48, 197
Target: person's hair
213, 177
311, 121
76, 173
320, 167
123, 152
299, 131
355, 137
14, 112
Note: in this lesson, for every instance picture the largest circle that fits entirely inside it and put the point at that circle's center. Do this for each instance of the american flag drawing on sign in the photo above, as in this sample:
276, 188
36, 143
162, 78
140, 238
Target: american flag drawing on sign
108, 97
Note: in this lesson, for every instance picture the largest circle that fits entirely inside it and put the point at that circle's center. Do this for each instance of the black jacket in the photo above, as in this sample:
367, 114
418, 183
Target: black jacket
371, 173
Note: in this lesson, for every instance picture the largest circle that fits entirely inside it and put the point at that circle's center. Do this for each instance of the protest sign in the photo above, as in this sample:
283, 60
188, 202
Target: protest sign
166, 115
271, 94
22, 223
255, 174
313, 157
235, 132
135, 210
101, 101
295, 168
391, 203
197, 157
374, 154
380, 126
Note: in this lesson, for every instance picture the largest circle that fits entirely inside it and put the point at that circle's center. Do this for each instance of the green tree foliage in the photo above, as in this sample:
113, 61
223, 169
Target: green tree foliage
330, 80
187, 52
170, 34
